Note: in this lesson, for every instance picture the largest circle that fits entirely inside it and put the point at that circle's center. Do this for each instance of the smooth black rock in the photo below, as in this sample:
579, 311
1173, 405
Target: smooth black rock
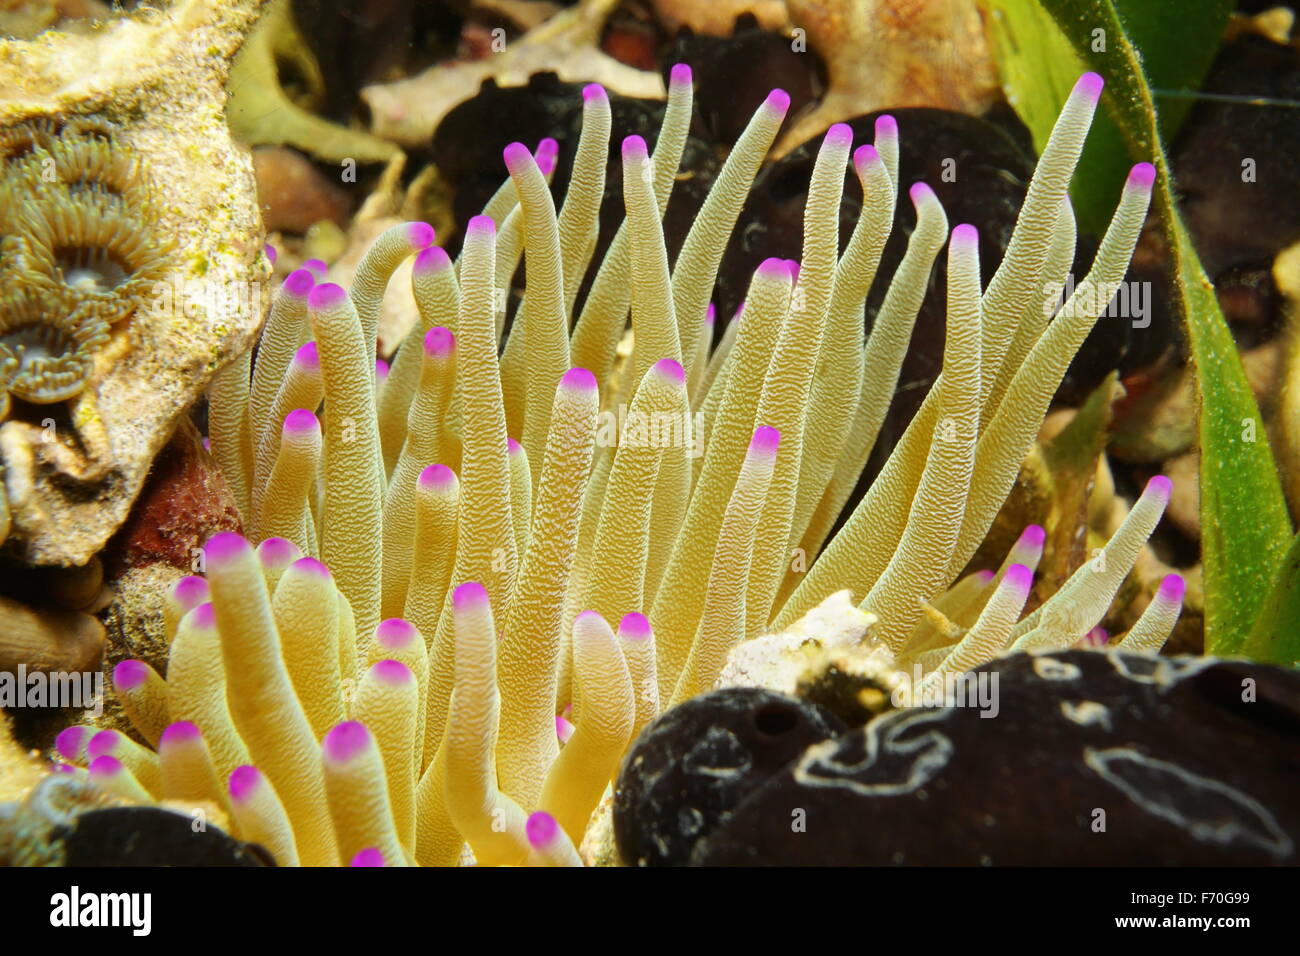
151, 836
696, 762
1092, 758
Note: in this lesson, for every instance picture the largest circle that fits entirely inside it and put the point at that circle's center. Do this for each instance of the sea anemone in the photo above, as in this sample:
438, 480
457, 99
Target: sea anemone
79, 253
474, 520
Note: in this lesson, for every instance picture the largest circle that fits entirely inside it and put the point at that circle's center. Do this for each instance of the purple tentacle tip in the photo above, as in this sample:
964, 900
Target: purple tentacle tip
634, 147
190, 591
541, 829
371, 856
1019, 577
104, 742
392, 672
579, 378
439, 342
635, 626
269, 251
513, 447
1090, 84
1172, 587
671, 369
985, 575
886, 125
317, 267
711, 314
679, 74
778, 101
437, 476
518, 158
181, 732
346, 741
419, 234
594, 91
865, 155
431, 259
1142, 176
130, 674
300, 421
1159, 485
327, 295
71, 743
775, 268
919, 193
307, 356
965, 235
243, 783
299, 282
481, 226
469, 595
766, 440
105, 766
395, 632
840, 135
1033, 536
226, 546
277, 552
310, 565
204, 617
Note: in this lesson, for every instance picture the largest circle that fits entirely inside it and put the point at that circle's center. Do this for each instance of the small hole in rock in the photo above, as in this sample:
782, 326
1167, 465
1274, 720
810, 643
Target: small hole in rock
773, 720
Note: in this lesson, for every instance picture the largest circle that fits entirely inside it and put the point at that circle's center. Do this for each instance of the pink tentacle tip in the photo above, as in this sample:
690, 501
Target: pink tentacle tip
270, 252
190, 591
1142, 176
392, 672
679, 74
518, 157
382, 369
71, 743
541, 829
1159, 486
438, 476
775, 268
579, 378
670, 369
793, 267
204, 617
130, 674
301, 420
711, 314
778, 101
105, 766
370, 856
103, 743
985, 575
1097, 637
634, 147
469, 596
588, 619
431, 259
395, 632
1090, 84
965, 235
513, 447
594, 91
299, 282
278, 552
307, 356
866, 155
327, 295
635, 626
317, 267
1172, 587
244, 782
481, 226
766, 440
439, 342
840, 135
346, 741
1019, 577
886, 125
419, 234
547, 147
226, 546
310, 565
1033, 536
919, 193
181, 732
563, 729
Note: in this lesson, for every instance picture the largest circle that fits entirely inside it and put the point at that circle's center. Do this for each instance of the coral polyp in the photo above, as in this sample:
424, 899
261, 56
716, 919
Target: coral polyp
466, 528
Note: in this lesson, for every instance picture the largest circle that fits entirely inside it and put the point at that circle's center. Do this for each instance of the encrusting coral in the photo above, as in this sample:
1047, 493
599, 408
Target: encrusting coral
449, 589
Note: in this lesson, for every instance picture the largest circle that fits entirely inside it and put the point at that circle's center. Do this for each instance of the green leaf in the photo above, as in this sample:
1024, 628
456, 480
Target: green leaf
1244, 524
1276, 635
1039, 64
